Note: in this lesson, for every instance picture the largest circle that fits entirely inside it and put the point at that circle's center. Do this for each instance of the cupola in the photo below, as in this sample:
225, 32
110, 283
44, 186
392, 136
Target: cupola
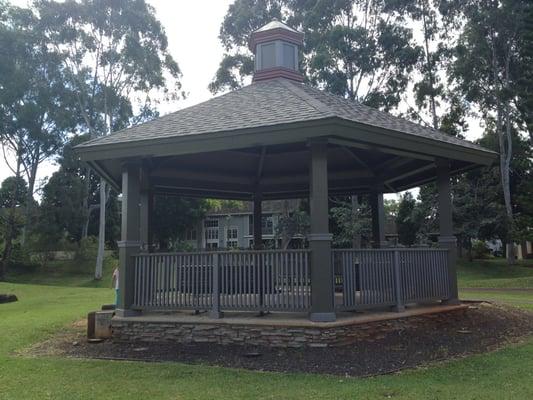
275, 47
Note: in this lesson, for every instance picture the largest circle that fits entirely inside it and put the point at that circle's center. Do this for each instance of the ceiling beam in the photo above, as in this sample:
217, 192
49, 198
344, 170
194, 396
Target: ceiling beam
380, 149
359, 161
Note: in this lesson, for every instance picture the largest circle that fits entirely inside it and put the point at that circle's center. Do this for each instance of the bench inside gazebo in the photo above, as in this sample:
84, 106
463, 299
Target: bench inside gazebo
278, 138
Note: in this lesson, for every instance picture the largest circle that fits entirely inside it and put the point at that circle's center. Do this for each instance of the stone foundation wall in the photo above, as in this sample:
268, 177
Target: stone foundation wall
256, 335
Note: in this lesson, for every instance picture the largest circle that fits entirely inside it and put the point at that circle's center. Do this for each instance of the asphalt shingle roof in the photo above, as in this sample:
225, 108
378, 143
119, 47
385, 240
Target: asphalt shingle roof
267, 103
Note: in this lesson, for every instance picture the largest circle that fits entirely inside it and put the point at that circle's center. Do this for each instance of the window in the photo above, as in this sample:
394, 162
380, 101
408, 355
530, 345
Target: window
211, 223
268, 55
232, 238
211, 233
289, 61
267, 225
190, 235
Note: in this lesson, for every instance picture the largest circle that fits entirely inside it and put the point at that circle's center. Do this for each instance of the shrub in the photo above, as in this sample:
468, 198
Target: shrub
21, 260
480, 250
87, 249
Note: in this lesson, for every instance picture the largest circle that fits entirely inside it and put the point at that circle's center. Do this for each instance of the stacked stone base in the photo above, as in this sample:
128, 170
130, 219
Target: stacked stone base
131, 330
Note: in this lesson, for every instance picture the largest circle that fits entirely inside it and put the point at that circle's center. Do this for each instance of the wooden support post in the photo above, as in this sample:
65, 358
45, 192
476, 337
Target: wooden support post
322, 293
378, 217
399, 306
130, 243
258, 220
447, 240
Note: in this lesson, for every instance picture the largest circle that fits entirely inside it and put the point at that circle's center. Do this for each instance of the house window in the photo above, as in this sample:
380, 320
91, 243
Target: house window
211, 233
232, 238
267, 225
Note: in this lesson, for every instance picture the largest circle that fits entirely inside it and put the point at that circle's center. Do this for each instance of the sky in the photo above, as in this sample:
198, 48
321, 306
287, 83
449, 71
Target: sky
192, 28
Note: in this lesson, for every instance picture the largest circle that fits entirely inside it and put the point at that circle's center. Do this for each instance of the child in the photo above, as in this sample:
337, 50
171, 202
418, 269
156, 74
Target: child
114, 282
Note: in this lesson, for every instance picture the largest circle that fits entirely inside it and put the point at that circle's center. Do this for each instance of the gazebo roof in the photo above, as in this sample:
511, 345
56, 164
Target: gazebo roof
268, 104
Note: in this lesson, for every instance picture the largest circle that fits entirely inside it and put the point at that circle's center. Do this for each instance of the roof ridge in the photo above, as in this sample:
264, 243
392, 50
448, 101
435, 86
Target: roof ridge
315, 103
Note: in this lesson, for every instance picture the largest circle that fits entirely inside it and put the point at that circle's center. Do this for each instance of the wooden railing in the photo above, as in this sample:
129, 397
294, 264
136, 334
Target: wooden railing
378, 278
270, 280
279, 280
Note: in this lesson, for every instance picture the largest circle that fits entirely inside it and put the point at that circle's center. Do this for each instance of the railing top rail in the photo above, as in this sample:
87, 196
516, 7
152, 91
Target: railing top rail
144, 254
395, 249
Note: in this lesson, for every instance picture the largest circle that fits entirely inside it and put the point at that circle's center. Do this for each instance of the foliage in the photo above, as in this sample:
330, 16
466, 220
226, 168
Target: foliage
408, 220
13, 192
480, 250
292, 224
87, 249
349, 223
173, 215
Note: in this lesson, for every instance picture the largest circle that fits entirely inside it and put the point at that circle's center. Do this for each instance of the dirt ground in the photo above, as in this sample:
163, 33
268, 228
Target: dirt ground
414, 342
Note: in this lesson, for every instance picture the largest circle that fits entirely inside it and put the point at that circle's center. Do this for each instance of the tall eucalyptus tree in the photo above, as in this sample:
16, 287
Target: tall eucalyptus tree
117, 52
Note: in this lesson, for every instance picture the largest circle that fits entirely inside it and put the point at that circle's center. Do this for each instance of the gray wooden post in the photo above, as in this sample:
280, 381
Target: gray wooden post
322, 300
258, 216
399, 307
378, 217
130, 237
145, 217
215, 288
447, 240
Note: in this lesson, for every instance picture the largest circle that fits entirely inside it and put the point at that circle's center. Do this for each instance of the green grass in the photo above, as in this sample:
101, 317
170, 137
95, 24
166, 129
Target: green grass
45, 309
67, 273
495, 274
523, 300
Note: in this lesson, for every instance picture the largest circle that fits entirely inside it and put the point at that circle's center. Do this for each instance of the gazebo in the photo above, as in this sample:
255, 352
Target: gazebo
279, 138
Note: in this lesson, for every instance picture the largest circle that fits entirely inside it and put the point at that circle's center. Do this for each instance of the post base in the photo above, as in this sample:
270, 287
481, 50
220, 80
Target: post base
124, 312
215, 314
398, 308
322, 317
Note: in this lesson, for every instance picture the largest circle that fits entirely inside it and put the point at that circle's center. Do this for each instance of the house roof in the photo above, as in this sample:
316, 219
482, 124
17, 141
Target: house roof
263, 104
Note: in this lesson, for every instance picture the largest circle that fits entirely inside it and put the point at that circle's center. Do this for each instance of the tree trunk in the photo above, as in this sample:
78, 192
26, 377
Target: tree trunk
86, 206
101, 232
29, 200
10, 234
505, 144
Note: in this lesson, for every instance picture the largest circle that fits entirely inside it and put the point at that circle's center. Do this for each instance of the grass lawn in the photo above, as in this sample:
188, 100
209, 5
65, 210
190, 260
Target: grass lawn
495, 274
44, 309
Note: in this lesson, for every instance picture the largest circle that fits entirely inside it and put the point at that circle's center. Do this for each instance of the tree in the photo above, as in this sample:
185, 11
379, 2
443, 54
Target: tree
116, 52
408, 220
525, 87
12, 198
488, 55
351, 224
173, 215
36, 102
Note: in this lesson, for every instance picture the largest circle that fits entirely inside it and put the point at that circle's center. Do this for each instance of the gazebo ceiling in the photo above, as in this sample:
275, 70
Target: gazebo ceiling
257, 136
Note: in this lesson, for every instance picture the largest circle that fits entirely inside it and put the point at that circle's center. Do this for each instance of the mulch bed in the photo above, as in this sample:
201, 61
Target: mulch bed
414, 342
